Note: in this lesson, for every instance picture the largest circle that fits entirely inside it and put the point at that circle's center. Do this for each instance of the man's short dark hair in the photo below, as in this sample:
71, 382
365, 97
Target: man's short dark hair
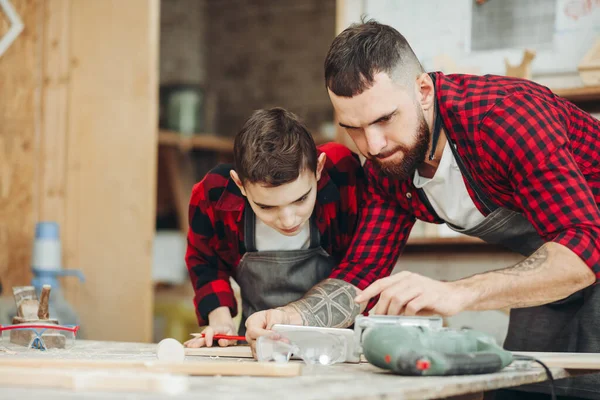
363, 50
273, 148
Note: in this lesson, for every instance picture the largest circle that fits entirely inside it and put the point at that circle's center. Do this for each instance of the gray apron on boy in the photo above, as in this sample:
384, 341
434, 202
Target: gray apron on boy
568, 325
270, 279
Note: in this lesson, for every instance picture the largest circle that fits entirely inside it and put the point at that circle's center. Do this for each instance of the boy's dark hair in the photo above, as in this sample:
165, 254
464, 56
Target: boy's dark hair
361, 51
273, 148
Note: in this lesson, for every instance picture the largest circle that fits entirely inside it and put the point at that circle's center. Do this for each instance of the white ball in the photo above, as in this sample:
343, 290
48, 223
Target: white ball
170, 350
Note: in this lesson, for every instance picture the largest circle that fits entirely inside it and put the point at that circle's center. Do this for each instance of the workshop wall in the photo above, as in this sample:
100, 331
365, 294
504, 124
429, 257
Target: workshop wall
251, 55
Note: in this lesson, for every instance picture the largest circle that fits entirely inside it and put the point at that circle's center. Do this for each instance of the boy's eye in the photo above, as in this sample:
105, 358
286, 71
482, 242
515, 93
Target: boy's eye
266, 207
300, 200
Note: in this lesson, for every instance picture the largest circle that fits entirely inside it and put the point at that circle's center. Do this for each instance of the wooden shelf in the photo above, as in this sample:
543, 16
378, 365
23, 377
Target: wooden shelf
208, 141
444, 241
204, 141
583, 93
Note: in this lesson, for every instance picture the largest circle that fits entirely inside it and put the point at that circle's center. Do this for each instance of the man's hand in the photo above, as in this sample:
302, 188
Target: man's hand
220, 322
260, 324
407, 293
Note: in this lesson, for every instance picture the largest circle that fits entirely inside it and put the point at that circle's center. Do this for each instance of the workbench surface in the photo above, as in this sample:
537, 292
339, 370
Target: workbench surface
340, 381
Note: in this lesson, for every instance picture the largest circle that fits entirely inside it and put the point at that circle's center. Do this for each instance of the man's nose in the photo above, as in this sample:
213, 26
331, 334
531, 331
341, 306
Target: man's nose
375, 140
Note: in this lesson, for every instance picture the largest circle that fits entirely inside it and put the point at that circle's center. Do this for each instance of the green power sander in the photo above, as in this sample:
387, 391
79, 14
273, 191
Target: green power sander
421, 350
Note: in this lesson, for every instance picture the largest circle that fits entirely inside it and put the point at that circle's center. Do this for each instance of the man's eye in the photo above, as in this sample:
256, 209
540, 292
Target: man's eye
302, 199
266, 208
385, 119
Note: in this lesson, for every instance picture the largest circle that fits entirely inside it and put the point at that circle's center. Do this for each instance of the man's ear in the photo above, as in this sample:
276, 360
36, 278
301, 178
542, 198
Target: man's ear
237, 181
425, 91
321, 164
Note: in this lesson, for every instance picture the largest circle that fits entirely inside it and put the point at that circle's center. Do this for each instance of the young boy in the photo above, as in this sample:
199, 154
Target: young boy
278, 222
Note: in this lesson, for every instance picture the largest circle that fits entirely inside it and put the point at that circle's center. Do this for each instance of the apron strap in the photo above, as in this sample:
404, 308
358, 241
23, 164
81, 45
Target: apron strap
463, 169
315, 236
250, 230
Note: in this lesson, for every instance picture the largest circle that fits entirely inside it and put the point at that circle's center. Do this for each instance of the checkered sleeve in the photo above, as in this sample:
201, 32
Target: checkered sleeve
208, 273
382, 231
526, 140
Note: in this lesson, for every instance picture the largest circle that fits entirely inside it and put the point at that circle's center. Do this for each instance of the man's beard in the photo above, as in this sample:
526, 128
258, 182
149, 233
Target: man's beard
411, 157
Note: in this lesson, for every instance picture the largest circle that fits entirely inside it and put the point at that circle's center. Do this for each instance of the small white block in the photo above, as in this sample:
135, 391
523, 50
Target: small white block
170, 350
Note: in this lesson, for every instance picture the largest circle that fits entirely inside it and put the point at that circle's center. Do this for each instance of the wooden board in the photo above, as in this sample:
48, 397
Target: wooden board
230, 351
111, 165
579, 94
586, 361
199, 141
203, 368
339, 381
18, 110
105, 381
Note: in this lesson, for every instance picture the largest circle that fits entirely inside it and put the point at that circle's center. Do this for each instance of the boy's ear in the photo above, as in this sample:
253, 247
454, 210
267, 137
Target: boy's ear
321, 164
237, 181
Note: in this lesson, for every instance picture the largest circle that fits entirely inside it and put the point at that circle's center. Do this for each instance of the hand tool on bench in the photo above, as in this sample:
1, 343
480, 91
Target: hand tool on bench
419, 350
221, 336
310, 340
32, 327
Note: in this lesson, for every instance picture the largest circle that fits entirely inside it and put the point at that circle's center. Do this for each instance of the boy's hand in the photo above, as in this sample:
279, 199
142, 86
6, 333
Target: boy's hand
260, 323
209, 332
220, 322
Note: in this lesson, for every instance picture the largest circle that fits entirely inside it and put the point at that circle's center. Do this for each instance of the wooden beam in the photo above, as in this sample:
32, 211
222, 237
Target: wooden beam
181, 180
579, 94
19, 77
200, 141
105, 381
111, 165
204, 368
52, 176
583, 361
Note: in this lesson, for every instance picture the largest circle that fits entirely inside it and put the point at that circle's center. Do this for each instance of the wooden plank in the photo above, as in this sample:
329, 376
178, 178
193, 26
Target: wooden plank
111, 165
435, 241
227, 352
51, 200
207, 368
585, 361
200, 141
181, 180
105, 381
19, 72
577, 94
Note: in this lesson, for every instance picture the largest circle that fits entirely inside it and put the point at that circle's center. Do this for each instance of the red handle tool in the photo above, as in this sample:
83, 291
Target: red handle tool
227, 337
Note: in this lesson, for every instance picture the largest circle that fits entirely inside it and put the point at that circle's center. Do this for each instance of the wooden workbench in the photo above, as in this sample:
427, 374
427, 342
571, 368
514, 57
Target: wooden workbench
341, 381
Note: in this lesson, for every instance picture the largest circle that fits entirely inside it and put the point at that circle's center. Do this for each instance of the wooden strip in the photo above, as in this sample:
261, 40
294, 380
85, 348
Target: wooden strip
566, 360
208, 368
94, 380
179, 180
231, 351
52, 171
583, 93
19, 72
200, 141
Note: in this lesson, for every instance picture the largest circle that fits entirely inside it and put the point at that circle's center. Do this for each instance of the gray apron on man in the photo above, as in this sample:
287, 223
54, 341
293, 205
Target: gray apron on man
270, 279
568, 325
